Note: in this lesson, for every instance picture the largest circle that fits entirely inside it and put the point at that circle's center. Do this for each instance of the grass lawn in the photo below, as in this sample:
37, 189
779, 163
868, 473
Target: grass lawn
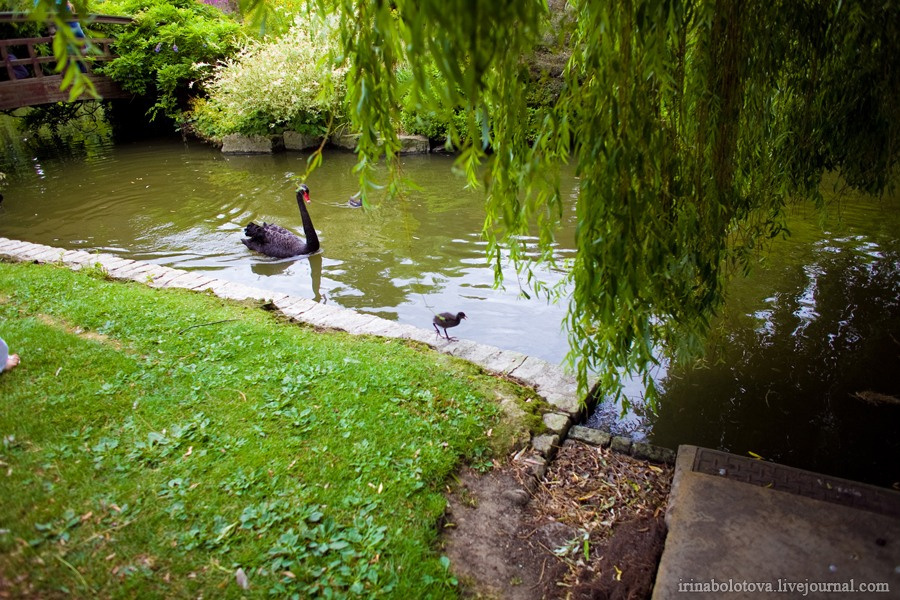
163, 444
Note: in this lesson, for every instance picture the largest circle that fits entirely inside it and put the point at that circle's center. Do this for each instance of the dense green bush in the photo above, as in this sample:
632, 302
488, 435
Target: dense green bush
284, 83
170, 49
416, 116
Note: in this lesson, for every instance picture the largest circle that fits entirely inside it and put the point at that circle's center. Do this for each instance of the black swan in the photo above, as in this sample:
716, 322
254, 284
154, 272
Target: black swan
276, 241
446, 320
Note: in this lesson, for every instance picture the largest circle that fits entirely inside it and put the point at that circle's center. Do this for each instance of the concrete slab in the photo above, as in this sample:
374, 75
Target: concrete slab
402, 331
164, 276
33, 251
321, 315
294, 305
504, 361
745, 528
126, 271
377, 326
189, 281
179, 279
213, 285
362, 323
350, 321
7, 243
110, 262
472, 351
142, 274
154, 273
239, 291
274, 297
11, 247
77, 257
428, 337
48, 255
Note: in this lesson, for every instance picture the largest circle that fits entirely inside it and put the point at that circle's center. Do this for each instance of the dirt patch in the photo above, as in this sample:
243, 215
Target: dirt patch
592, 527
95, 336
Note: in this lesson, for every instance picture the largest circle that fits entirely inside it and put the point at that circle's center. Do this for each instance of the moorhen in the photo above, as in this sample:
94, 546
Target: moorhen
446, 320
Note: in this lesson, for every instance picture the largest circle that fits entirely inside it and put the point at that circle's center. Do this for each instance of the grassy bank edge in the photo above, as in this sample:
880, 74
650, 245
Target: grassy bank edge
313, 461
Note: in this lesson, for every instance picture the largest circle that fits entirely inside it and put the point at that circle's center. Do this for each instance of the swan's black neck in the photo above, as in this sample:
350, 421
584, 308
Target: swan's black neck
312, 239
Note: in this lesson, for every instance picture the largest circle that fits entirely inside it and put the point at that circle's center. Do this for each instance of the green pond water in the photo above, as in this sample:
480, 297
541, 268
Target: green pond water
801, 369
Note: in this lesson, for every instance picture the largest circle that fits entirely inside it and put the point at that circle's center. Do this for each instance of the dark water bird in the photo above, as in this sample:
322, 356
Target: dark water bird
446, 320
355, 200
276, 241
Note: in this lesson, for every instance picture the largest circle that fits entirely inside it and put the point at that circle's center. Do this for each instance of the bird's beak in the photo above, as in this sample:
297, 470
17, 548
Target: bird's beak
306, 196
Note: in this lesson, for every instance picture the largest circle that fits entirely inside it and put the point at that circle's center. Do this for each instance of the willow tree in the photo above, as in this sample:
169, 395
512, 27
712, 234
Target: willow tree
690, 124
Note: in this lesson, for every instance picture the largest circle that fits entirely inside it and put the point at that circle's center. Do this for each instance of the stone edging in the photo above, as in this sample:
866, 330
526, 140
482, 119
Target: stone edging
623, 445
236, 143
549, 381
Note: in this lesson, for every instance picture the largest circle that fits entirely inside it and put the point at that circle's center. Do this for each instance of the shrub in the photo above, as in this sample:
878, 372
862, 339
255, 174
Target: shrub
423, 112
283, 83
417, 113
168, 50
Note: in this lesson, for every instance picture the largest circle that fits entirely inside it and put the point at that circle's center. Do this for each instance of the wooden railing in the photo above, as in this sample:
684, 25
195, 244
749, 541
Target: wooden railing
29, 75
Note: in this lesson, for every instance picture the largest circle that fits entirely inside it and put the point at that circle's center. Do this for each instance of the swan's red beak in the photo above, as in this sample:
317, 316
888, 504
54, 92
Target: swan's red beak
306, 196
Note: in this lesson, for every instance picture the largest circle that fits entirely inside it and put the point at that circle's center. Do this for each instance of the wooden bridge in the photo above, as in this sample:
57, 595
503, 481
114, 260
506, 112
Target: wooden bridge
28, 77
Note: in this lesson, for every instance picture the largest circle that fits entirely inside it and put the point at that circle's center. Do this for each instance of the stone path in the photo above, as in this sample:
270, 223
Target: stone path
746, 528
549, 381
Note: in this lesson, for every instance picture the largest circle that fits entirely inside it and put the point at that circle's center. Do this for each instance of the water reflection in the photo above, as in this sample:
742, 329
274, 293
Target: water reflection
288, 266
809, 380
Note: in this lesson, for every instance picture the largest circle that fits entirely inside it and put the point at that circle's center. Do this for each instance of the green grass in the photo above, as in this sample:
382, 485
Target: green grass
150, 450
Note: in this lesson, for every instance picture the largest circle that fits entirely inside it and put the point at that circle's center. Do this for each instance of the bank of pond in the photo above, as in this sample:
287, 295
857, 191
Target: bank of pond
799, 368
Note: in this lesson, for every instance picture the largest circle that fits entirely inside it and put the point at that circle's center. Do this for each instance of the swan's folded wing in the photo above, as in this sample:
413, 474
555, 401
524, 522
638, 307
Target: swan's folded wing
281, 237
277, 230
273, 240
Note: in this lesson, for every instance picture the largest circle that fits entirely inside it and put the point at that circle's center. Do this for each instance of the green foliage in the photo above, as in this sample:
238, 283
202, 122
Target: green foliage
285, 82
691, 123
275, 17
313, 462
418, 116
168, 51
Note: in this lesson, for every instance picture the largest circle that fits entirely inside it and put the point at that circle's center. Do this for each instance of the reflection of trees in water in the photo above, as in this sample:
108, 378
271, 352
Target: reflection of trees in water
70, 132
278, 267
782, 382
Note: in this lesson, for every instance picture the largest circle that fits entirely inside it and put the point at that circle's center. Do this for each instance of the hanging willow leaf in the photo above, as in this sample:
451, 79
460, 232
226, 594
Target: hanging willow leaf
690, 125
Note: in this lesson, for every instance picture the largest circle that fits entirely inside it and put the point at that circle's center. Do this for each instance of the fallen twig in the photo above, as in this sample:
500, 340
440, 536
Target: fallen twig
204, 325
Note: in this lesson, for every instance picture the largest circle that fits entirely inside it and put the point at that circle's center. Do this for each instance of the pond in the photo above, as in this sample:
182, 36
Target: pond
185, 205
802, 368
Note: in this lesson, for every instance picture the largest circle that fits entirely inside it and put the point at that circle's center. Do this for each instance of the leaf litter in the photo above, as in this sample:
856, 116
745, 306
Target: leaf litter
592, 527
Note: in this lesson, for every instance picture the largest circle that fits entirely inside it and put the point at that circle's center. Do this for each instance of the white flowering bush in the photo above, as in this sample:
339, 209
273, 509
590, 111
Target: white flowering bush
288, 82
